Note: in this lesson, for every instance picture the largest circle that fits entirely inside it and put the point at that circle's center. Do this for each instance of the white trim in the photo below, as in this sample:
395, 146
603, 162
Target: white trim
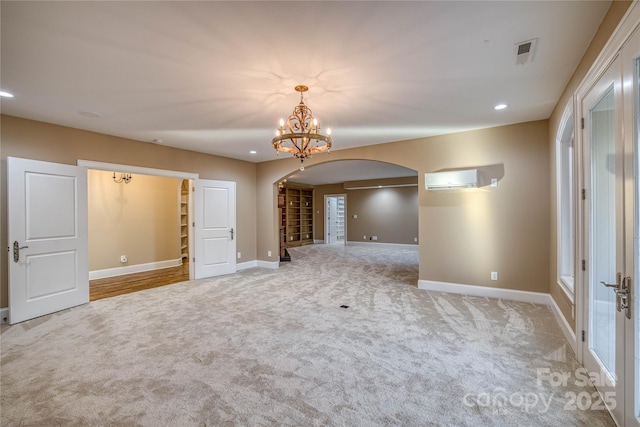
318, 242
90, 164
485, 291
273, 265
561, 250
569, 334
507, 294
4, 315
378, 187
137, 268
385, 245
609, 52
326, 214
246, 265
566, 288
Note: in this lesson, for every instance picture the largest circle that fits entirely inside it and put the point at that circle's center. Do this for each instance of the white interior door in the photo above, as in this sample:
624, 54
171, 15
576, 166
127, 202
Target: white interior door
47, 222
631, 93
215, 228
332, 220
334, 215
341, 224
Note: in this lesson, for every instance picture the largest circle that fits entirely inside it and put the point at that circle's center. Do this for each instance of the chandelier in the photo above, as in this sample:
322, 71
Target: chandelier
124, 177
300, 134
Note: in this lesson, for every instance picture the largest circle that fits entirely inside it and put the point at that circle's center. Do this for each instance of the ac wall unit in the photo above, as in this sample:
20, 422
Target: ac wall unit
467, 178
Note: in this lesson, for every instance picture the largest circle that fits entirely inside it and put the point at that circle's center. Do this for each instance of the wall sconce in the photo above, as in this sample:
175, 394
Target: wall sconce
124, 177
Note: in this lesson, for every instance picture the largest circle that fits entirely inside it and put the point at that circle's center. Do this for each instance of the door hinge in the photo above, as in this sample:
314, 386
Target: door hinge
194, 259
584, 194
193, 189
584, 265
583, 336
582, 123
193, 224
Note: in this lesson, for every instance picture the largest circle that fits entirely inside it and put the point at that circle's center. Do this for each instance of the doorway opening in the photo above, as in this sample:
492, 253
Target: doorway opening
163, 197
335, 224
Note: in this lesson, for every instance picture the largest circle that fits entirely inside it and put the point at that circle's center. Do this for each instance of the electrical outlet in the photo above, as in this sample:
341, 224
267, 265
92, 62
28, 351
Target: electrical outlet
364, 237
415, 239
494, 275
374, 237
494, 182
239, 255
123, 258
269, 254
355, 216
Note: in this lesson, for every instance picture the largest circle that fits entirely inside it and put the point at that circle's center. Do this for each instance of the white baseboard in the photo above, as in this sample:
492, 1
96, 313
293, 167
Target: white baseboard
130, 269
4, 315
318, 242
508, 294
274, 265
384, 245
246, 265
568, 332
484, 291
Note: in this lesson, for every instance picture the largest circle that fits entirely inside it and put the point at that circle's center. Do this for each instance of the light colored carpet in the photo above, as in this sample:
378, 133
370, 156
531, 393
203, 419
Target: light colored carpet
274, 348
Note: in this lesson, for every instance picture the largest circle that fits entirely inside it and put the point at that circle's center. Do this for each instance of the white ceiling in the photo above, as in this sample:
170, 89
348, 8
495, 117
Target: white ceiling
215, 77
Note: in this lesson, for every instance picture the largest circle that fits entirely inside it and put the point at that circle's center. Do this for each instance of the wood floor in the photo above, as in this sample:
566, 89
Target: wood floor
112, 286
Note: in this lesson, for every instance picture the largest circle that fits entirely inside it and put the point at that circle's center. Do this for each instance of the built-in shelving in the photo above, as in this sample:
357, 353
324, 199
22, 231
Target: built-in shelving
184, 219
296, 205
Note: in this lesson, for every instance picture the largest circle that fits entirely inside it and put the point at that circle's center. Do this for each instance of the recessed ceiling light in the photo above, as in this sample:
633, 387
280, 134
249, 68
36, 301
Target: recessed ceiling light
5, 94
92, 114
253, 152
500, 107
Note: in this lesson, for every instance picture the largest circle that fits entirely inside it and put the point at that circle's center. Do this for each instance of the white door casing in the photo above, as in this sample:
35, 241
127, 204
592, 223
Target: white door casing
603, 236
610, 234
215, 228
47, 220
332, 222
631, 191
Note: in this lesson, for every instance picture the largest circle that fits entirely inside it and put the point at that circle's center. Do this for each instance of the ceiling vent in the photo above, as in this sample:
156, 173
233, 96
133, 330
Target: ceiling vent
526, 51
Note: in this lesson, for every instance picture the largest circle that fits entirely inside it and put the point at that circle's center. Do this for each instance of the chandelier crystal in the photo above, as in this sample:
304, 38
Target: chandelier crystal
300, 134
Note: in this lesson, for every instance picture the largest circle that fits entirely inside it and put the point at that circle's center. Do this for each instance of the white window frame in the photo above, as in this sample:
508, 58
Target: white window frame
566, 203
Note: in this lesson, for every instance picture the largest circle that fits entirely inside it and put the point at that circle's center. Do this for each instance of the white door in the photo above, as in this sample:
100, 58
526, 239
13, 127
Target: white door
334, 224
631, 191
332, 220
215, 228
610, 347
48, 244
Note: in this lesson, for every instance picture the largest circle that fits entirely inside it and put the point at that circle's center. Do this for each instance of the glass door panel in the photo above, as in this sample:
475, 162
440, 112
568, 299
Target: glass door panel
602, 319
603, 349
631, 317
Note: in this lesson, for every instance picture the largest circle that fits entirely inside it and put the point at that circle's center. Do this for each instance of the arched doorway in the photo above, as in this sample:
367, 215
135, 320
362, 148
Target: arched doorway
380, 205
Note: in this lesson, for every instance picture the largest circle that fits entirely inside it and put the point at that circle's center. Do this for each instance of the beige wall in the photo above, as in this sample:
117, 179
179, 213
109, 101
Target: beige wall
139, 220
391, 214
42, 141
463, 234
608, 25
509, 229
